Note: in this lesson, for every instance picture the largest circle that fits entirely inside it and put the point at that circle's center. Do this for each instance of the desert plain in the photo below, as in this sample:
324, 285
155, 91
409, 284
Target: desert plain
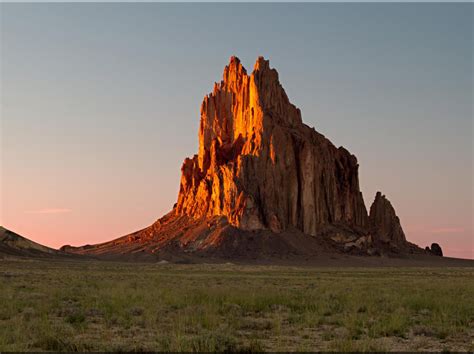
77, 305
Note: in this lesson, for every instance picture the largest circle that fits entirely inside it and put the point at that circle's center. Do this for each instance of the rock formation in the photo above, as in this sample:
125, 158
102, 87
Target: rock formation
436, 250
261, 167
264, 184
384, 223
14, 245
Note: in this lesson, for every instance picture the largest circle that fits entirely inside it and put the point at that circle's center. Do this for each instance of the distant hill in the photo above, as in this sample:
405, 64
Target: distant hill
12, 244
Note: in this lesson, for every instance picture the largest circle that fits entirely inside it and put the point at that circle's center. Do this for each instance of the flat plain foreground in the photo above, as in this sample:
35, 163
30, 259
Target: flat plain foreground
93, 306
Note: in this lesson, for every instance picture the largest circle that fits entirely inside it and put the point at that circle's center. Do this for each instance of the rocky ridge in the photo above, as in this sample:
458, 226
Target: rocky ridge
14, 245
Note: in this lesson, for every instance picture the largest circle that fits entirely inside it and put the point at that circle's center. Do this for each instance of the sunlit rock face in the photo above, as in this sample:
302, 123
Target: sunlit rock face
261, 167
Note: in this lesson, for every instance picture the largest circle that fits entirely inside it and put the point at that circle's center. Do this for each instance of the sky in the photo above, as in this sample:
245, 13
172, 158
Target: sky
100, 106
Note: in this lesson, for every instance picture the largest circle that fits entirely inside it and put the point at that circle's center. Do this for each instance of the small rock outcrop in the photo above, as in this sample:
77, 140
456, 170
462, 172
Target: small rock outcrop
261, 167
436, 250
384, 223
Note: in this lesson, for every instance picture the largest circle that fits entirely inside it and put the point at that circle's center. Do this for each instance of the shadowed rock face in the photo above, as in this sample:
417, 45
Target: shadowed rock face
261, 167
384, 222
436, 250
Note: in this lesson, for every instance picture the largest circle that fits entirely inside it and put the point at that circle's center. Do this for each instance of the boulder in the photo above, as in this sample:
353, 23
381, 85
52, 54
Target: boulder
436, 250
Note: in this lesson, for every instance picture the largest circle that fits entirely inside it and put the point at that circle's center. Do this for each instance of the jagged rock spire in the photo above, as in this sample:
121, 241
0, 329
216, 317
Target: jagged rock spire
261, 167
384, 222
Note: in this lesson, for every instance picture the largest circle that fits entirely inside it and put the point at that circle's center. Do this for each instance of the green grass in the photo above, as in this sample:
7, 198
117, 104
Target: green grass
80, 306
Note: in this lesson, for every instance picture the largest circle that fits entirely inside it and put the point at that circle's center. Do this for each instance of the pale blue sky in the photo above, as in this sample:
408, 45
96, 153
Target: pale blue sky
100, 105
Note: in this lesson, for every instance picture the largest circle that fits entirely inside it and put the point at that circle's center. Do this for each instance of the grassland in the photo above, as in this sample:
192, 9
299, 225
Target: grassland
94, 306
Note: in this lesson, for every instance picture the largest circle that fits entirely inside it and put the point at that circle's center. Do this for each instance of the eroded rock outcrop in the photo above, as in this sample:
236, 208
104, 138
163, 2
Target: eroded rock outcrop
436, 250
261, 167
384, 222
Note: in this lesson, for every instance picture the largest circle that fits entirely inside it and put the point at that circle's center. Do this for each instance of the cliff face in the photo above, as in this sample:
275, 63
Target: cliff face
261, 167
